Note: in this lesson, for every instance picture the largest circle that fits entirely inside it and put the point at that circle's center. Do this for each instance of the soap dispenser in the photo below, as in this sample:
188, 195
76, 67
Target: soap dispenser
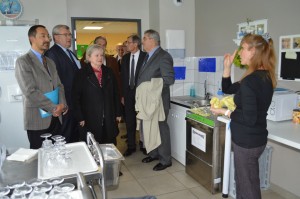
192, 91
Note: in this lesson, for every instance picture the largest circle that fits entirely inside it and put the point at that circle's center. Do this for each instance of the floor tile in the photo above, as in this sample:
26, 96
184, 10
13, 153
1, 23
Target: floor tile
161, 184
143, 170
185, 194
185, 179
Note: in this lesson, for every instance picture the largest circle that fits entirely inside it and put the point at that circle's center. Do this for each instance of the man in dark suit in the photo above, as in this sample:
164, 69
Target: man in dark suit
37, 75
158, 64
67, 65
131, 64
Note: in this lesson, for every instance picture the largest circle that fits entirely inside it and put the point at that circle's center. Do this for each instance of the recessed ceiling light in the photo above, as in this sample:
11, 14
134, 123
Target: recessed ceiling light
92, 27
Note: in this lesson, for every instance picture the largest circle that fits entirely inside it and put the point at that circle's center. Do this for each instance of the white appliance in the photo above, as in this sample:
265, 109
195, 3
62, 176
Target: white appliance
282, 105
14, 43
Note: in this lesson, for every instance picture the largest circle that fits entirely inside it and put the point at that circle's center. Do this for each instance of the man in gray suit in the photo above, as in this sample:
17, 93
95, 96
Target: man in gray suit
37, 75
158, 64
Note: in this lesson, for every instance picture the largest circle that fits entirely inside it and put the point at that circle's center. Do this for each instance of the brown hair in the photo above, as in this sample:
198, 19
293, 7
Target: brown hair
264, 57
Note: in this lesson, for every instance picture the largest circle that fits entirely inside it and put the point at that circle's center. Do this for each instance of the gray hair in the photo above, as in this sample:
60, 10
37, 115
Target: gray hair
57, 28
91, 49
154, 35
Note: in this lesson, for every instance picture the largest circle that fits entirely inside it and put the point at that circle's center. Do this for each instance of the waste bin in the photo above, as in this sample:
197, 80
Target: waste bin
112, 162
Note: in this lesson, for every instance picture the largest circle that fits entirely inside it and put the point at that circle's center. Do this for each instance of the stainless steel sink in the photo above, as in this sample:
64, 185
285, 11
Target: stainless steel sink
191, 101
198, 103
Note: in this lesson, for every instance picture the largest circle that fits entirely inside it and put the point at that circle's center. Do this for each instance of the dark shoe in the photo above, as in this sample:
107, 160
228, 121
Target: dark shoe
124, 136
143, 150
149, 159
120, 173
128, 152
160, 166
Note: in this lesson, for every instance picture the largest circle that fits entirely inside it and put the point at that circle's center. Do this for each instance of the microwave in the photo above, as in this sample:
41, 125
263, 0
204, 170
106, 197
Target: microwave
282, 105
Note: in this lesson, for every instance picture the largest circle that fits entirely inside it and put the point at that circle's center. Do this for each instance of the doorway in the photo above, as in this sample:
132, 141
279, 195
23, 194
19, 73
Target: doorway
116, 31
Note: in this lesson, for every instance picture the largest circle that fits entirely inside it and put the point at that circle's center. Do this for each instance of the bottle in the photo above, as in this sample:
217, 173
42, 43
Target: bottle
192, 91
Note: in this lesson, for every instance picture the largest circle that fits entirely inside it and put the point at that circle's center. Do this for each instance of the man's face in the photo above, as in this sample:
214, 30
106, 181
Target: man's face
64, 38
41, 41
102, 43
130, 45
148, 43
120, 51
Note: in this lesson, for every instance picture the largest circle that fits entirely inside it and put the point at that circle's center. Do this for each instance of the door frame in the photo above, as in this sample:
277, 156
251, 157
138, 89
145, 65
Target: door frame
74, 19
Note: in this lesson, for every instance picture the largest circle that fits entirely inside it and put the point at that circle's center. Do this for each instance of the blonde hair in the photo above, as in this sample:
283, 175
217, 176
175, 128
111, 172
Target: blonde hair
264, 56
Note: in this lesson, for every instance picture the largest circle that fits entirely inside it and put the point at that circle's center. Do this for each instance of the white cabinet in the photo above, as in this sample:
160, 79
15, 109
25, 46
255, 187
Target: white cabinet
177, 124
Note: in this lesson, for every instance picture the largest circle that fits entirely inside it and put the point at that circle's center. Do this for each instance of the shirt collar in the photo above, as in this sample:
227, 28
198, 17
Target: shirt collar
38, 55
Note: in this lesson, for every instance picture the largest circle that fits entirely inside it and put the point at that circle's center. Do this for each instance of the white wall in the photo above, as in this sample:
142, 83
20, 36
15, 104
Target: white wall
216, 24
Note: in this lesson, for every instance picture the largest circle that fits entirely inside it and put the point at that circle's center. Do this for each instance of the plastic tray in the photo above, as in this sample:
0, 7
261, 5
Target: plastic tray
82, 159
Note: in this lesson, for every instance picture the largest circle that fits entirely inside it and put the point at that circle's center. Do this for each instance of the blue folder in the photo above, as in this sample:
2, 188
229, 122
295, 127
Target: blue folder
53, 96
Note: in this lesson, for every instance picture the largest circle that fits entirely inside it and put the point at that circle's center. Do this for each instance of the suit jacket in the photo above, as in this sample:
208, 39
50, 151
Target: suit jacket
125, 72
93, 103
34, 81
160, 64
66, 69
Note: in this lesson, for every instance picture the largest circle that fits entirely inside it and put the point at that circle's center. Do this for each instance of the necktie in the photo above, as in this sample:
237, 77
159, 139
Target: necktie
45, 63
71, 57
131, 83
146, 59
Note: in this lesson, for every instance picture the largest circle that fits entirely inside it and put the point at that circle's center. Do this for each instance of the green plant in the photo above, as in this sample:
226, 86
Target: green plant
237, 60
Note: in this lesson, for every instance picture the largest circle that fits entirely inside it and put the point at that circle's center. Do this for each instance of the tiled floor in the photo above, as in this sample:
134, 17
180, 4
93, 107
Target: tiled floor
172, 183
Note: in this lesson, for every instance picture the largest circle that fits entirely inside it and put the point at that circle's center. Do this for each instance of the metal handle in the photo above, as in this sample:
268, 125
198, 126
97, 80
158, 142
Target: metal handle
81, 185
92, 142
17, 97
0, 91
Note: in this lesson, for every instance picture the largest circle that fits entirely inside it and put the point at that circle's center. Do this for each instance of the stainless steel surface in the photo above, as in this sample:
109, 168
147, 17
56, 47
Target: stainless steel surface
83, 187
15, 172
206, 166
93, 144
82, 161
189, 101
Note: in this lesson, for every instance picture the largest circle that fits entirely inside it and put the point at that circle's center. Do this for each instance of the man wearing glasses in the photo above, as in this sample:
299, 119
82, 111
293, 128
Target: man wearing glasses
37, 75
67, 65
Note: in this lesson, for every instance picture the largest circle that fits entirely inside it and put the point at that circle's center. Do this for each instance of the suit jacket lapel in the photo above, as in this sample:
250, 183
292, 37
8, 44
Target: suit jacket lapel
36, 62
150, 60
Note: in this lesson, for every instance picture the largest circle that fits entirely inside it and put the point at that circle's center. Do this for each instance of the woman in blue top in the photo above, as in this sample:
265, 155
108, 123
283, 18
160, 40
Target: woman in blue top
248, 120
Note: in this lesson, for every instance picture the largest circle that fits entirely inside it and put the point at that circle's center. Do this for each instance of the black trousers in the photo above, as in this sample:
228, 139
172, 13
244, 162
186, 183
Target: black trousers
34, 136
246, 171
130, 118
69, 127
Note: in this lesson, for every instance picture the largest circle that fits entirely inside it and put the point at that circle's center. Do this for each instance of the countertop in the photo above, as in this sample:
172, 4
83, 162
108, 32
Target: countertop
284, 132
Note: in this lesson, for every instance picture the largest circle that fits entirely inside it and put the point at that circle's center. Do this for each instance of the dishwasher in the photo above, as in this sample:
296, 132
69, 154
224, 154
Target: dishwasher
205, 140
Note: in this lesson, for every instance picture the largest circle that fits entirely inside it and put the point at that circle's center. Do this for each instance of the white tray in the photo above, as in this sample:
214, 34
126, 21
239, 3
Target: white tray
82, 159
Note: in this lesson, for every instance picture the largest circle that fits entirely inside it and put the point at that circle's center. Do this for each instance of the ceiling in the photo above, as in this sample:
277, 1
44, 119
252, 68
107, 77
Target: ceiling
113, 27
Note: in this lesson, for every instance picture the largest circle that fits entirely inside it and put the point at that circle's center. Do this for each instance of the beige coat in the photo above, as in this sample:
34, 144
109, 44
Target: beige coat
150, 110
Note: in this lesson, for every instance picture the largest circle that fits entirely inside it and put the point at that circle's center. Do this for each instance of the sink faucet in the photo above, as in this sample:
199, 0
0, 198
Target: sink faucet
207, 94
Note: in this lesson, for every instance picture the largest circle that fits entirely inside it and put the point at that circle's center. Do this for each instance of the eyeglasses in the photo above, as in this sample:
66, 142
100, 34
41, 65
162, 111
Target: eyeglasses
66, 34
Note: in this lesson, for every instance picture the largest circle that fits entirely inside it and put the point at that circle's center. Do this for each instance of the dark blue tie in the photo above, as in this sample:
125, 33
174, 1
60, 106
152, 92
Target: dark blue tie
131, 83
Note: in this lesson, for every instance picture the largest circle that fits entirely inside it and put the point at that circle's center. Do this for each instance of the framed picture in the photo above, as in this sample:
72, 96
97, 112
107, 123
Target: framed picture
296, 42
254, 27
285, 43
11, 9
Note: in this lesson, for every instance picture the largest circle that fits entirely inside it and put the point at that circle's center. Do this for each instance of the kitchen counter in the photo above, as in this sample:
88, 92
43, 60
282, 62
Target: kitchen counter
186, 101
285, 132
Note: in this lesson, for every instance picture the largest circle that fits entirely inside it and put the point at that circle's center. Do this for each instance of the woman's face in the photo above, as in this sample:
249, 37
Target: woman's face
96, 58
246, 54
